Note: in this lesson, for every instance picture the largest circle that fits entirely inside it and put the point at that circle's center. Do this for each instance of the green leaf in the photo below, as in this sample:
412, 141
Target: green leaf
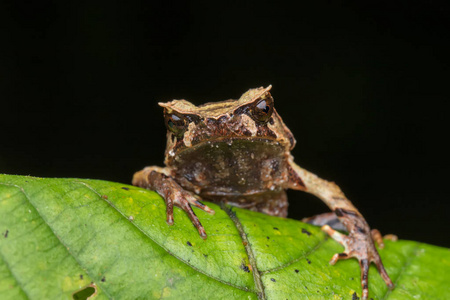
66, 238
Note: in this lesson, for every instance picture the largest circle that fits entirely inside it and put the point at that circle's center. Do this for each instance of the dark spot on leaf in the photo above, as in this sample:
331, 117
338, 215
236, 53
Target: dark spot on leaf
267, 245
351, 278
306, 287
309, 262
245, 267
103, 279
192, 251
268, 237
205, 255
276, 228
354, 296
125, 188
188, 260
6, 233
273, 279
189, 244
296, 271
84, 293
105, 197
81, 276
306, 232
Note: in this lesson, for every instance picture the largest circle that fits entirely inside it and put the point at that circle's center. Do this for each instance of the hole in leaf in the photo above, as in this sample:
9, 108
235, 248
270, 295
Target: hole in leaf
85, 293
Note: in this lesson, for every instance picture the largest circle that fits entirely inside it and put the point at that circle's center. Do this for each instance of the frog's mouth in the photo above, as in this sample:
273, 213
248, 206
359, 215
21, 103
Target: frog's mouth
231, 142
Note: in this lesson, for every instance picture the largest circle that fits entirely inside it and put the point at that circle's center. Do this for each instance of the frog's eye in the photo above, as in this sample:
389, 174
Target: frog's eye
175, 123
262, 110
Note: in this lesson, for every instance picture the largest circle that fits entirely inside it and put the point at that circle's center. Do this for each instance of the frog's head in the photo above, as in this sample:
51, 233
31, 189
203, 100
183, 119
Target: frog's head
251, 117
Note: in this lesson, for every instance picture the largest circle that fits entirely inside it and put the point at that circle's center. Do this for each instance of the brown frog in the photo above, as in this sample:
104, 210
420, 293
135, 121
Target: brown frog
238, 152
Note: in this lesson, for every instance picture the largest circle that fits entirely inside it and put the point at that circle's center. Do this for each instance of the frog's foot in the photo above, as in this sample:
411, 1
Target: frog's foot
333, 221
157, 179
360, 246
184, 199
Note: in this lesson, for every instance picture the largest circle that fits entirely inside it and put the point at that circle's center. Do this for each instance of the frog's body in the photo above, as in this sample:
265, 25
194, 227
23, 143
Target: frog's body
238, 151
227, 171
230, 169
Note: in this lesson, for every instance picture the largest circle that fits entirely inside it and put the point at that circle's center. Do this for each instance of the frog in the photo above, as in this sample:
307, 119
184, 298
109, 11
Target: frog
238, 152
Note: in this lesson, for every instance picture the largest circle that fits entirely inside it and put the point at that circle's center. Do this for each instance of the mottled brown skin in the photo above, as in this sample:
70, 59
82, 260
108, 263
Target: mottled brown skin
238, 152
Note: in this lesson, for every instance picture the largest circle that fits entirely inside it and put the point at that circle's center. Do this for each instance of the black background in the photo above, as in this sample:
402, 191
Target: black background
361, 86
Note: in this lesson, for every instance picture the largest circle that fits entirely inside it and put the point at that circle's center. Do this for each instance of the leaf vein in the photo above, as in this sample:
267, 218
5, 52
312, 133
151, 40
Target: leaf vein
311, 251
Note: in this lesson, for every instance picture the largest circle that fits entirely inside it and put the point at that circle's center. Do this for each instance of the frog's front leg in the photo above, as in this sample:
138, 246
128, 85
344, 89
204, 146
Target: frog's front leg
159, 179
359, 242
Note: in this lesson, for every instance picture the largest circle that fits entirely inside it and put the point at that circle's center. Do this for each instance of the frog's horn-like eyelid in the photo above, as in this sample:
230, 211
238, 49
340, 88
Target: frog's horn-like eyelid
163, 104
180, 106
262, 92
167, 107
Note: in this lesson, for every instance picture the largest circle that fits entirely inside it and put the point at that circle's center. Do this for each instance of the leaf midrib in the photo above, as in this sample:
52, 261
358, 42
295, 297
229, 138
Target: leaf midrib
251, 258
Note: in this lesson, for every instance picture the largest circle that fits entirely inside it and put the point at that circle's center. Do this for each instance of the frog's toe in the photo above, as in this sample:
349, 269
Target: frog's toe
184, 199
362, 248
377, 237
193, 201
194, 219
